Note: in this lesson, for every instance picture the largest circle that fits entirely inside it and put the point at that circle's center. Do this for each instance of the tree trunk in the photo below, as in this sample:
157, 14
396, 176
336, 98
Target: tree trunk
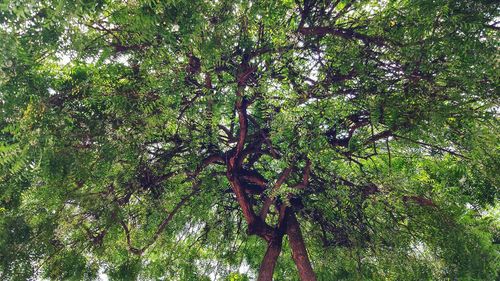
299, 252
270, 259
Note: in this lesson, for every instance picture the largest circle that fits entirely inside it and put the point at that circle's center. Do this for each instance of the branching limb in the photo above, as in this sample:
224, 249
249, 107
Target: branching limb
269, 200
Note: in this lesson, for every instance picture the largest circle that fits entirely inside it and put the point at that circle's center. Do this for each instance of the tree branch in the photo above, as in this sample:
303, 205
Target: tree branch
269, 200
432, 146
343, 33
305, 176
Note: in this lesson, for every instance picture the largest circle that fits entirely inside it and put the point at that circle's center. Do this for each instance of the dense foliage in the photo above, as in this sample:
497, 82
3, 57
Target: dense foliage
230, 140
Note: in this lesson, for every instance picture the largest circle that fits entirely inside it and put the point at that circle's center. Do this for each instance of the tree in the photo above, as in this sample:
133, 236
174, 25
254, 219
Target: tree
189, 140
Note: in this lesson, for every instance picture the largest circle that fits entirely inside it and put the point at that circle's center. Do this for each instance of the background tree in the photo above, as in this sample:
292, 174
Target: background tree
197, 140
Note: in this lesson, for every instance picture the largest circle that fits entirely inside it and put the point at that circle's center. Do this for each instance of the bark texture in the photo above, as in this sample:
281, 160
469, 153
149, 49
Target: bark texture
299, 252
270, 259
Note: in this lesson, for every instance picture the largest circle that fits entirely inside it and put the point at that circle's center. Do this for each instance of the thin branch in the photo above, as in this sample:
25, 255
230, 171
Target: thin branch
344, 33
269, 200
131, 248
168, 219
216, 158
305, 176
433, 146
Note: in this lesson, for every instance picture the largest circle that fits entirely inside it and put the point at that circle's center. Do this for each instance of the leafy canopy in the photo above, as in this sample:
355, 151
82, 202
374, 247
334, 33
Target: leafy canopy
183, 140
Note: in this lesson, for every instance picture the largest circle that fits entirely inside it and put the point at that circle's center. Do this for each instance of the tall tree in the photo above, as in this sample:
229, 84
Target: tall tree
197, 140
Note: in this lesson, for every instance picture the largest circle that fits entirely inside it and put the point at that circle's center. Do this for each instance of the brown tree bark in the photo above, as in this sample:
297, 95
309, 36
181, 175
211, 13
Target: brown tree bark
270, 259
299, 252
257, 224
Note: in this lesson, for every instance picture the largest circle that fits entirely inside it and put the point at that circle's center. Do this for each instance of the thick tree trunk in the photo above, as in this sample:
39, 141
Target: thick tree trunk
270, 259
299, 252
